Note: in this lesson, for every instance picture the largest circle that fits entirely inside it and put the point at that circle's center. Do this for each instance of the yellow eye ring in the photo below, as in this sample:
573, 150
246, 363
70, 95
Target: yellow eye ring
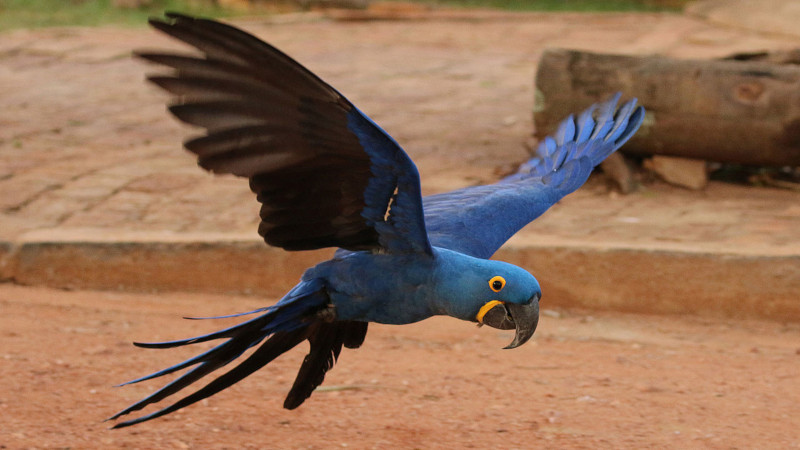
497, 283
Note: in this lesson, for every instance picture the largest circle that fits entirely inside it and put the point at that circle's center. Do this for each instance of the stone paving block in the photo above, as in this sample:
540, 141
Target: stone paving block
17, 191
775, 16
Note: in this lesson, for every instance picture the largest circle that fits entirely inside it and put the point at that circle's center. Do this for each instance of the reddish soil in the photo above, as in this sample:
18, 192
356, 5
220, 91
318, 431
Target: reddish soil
605, 380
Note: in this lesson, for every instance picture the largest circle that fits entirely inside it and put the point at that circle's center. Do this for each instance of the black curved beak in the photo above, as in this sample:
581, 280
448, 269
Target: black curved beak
522, 318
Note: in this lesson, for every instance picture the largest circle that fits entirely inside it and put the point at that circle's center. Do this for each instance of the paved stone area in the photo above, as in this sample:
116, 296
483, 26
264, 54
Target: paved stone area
87, 144
88, 152
770, 16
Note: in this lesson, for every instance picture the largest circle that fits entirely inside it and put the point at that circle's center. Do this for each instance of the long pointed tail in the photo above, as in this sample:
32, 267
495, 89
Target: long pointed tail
286, 324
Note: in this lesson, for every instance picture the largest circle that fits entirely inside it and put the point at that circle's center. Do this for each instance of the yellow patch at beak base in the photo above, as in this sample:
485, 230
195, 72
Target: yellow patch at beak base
485, 308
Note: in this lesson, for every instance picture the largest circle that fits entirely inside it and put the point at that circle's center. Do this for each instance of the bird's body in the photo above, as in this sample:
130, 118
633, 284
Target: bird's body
403, 289
328, 176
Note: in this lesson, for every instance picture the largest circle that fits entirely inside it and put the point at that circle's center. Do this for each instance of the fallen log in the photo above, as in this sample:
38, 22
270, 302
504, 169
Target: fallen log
727, 111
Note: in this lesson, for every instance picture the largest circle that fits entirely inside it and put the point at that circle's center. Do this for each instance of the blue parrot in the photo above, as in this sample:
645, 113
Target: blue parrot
327, 176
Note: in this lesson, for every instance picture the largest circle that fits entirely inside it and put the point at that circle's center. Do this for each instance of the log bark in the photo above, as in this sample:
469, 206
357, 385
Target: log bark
728, 111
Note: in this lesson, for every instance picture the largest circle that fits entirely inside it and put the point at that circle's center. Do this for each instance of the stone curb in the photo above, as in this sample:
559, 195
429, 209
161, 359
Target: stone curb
665, 281
153, 263
609, 278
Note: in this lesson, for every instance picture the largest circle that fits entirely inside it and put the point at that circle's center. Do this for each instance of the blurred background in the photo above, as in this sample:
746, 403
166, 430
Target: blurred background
670, 279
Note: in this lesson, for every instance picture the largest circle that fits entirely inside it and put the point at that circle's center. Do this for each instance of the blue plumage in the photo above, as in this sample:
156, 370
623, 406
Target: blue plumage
478, 220
394, 181
328, 176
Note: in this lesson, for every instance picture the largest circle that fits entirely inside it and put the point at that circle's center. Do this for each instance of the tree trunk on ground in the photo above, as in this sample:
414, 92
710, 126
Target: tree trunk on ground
726, 111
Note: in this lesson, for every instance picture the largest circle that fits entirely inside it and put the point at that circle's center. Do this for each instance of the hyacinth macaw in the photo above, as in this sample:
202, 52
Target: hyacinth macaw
327, 176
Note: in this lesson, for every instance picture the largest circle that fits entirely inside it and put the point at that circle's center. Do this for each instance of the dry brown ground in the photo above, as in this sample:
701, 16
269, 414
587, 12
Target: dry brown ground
585, 381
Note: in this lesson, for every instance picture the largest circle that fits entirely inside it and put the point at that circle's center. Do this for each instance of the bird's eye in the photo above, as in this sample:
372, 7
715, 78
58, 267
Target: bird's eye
497, 283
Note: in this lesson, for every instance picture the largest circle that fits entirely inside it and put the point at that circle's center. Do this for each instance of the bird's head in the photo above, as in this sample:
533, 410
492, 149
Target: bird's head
512, 302
496, 294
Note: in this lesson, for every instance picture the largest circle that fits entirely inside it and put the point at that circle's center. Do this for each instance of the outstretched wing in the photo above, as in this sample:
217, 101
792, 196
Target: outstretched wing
326, 175
478, 220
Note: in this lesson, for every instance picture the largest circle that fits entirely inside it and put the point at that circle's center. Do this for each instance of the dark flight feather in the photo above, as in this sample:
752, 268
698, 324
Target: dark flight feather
270, 119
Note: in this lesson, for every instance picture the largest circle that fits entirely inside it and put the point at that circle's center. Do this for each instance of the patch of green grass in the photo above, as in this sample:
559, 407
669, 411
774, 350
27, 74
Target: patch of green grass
53, 13
50, 13
566, 5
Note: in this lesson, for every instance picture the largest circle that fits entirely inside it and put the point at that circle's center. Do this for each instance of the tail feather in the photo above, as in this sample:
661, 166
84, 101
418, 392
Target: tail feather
205, 356
275, 346
209, 361
286, 324
228, 316
227, 352
274, 320
221, 334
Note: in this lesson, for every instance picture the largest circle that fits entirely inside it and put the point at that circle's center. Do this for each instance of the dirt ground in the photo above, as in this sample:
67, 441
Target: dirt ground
585, 381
